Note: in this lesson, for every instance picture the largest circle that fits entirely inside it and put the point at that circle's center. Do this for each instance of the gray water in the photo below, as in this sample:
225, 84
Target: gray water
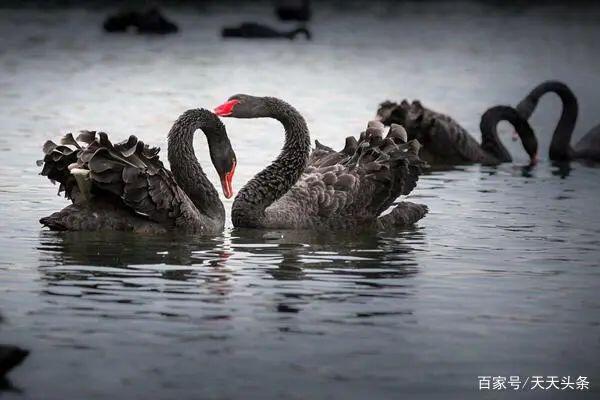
501, 278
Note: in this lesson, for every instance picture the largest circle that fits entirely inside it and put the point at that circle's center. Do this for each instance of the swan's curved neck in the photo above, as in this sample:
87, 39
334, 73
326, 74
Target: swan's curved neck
560, 146
275, 180
186, 168
491, 142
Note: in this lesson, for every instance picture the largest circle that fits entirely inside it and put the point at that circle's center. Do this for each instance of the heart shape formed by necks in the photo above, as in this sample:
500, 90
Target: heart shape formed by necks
226, 109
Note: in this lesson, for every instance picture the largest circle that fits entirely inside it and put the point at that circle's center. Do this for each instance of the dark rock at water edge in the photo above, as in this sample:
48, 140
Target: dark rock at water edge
10, 357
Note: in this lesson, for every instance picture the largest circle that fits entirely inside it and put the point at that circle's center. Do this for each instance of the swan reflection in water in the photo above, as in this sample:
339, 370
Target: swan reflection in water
108, 265
116, 266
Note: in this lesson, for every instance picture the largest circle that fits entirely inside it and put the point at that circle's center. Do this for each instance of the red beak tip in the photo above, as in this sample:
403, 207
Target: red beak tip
225, 109
226, 185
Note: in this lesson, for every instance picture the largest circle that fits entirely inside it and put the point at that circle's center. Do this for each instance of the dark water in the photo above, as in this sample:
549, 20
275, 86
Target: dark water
501, 278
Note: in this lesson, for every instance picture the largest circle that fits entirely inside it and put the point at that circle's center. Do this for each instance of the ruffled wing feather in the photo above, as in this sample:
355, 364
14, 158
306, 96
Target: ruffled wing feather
130, 171
355, 185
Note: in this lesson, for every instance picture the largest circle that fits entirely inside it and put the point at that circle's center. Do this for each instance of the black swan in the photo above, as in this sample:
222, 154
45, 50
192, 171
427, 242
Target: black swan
446, 142
588, 147
10, 357
126, 187
251, 30
286, 11
120, 22
326, 189
150, 21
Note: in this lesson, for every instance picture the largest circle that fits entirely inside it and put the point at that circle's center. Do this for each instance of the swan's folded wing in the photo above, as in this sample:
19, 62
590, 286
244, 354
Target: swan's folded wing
130, 171
444, 135
323, 156
55, 166
449, 137
357, 183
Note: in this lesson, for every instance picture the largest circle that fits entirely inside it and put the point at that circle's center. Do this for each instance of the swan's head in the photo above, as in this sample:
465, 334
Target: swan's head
225, 165
224, 161
244, 106
219, 147
524, 131
488, 128
530, 145
525, 108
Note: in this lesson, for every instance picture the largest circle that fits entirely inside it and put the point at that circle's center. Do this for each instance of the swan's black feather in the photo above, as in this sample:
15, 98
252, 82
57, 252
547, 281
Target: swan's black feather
48, 147
86, 137
125, 186
129, 173
354, 186
109, 176
351, 145
444, 140
69, 140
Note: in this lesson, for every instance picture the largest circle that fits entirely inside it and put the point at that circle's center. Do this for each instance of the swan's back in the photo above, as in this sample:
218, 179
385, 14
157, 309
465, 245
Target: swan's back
354, 186
443, 139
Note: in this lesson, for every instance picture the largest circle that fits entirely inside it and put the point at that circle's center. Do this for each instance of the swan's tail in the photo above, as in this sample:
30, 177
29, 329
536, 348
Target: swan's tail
83, 217
386, 167
404, 214
99, 215
392, 162
303, 31
55, 222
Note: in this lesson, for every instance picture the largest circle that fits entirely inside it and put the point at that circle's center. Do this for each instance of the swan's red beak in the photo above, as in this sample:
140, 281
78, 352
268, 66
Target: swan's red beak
226, 109
226, 182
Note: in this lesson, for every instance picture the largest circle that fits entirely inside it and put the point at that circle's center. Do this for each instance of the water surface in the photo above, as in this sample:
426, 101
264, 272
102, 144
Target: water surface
501, 278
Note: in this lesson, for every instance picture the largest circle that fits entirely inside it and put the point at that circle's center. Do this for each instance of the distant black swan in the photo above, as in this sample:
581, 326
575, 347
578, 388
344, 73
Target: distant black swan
588, 147
251, 30
126, 187
326, 189
446, 142
288, 11
150, 21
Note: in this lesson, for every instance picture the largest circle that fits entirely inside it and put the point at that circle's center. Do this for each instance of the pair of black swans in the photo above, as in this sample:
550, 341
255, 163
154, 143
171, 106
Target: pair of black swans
446, 142
126, 187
